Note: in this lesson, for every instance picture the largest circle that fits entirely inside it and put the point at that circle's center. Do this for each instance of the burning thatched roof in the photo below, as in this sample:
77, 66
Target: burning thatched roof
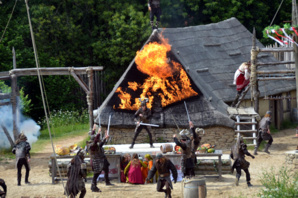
202, 112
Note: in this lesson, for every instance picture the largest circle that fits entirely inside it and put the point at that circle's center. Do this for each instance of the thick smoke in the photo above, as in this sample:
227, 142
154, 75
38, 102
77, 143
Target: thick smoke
25, 124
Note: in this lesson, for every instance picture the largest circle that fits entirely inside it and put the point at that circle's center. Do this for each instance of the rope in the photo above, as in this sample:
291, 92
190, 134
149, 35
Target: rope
41, 88
8, 20
276, 12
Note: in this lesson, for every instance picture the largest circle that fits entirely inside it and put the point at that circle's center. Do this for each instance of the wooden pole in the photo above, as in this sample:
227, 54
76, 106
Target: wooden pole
253, 78
295, 22
89, 71
8, 136
13, 100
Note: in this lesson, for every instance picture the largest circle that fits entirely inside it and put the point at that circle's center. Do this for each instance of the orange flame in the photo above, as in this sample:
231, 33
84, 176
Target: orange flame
167, 79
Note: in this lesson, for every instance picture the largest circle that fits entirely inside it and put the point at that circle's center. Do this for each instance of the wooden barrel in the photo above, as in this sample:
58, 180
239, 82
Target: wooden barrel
164, 148
194, 188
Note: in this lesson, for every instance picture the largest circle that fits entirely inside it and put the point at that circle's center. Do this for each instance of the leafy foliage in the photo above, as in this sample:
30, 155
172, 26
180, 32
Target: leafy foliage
283, 183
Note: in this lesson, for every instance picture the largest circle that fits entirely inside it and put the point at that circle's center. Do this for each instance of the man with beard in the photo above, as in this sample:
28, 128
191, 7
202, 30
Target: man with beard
238, 152
76, 173
21, 149
188, 146
99, 161
163, 166
3, 185
142, 115
264, 133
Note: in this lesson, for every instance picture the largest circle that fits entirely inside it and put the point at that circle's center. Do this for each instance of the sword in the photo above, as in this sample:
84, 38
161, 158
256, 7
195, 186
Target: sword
146, 124
108, 132
187, 112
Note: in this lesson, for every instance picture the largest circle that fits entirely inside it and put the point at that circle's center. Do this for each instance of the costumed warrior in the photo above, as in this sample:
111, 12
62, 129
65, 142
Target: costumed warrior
76, 173
189, 146
3, 185
142, 115
163, 166
238, 152
264, 133
22, 151
241, 79
99, 161
155, 10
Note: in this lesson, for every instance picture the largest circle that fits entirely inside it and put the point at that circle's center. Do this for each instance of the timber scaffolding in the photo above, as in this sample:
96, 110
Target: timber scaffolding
75, 72
259, 75
245, 118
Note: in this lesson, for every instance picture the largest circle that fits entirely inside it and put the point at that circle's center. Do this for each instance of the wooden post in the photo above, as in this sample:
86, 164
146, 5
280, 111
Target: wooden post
89, 71
8, 136
295, 22
253, 78
14, 102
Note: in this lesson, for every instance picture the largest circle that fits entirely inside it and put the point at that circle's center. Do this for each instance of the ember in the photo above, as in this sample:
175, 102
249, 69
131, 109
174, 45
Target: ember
166, 78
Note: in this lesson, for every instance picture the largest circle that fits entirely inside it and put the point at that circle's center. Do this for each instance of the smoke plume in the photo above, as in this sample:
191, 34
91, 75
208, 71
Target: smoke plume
25, 124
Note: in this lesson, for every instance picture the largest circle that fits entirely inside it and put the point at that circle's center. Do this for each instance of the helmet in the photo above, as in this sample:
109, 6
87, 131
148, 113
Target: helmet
183, 134
159, 155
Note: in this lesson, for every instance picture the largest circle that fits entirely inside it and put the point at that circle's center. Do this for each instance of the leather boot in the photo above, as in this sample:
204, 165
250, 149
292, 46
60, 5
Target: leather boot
237, 180
94, 188
19, 179
256, 150
108, 183
266, 148
131, 146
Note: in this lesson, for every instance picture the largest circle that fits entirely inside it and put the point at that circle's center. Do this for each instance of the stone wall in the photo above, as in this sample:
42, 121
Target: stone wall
222, 137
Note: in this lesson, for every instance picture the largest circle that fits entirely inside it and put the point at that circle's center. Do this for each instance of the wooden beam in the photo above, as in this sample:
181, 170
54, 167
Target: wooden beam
276, 63
276, 78
49, 71
81, 83
4, 103
4, 96
8, 136
276, 71
283, 49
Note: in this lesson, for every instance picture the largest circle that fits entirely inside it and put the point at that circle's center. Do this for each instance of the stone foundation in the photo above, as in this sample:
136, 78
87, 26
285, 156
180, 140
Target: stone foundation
222, 137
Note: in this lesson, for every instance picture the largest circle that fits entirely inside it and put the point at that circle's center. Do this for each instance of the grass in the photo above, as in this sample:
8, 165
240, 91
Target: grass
283, 183
59, 134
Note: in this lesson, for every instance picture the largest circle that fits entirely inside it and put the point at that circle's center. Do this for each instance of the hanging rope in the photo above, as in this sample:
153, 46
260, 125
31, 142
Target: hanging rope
8, 20
41, 88
276, 12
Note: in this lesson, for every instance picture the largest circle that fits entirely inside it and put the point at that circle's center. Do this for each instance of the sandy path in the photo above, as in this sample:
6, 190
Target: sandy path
41, 181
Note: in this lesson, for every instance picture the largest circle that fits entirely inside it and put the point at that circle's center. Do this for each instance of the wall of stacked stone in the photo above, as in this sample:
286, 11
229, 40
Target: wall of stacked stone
222, 137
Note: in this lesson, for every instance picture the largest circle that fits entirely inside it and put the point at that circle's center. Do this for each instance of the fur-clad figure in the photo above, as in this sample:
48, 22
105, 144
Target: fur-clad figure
238, 152
264, 133
76, 173
22, 151
163, 166
142, 115
99, 160
189, 146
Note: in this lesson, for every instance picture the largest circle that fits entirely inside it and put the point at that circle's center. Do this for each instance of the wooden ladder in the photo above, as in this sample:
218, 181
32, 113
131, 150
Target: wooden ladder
247, 120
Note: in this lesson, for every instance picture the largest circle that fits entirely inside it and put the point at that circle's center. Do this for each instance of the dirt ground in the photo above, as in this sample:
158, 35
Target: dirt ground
41, 185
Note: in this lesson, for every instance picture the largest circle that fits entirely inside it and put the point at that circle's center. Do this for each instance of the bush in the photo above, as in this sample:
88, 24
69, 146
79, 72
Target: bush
64, 118
282, 184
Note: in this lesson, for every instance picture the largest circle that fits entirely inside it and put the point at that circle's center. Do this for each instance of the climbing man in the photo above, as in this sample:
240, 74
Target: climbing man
241, 79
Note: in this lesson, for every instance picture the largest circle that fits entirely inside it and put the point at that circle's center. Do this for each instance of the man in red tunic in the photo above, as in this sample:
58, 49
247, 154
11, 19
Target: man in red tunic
241, 79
